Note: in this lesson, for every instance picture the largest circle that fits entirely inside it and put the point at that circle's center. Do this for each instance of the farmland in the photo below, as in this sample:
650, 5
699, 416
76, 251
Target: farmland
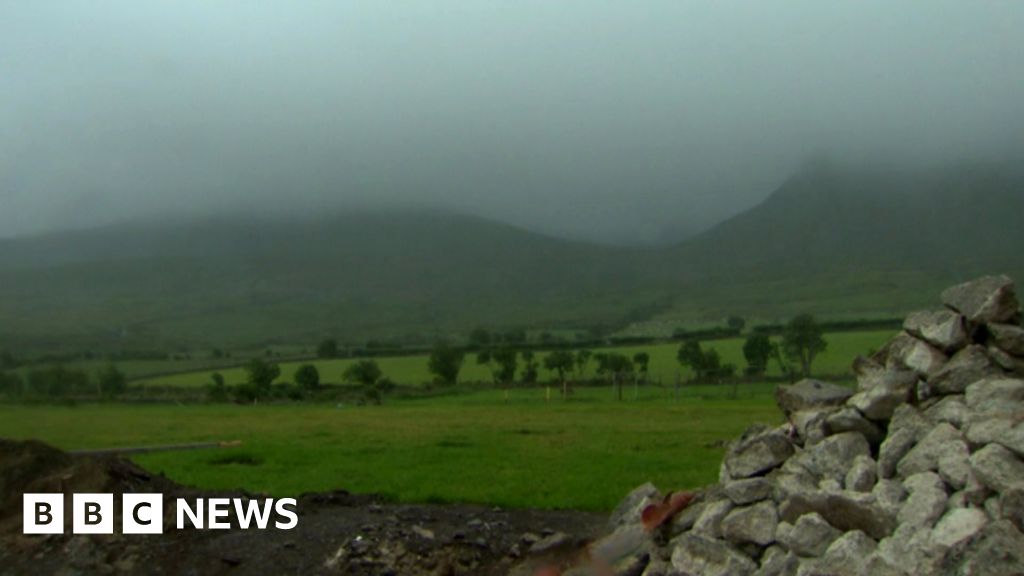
467, 443
471, 448
412, 370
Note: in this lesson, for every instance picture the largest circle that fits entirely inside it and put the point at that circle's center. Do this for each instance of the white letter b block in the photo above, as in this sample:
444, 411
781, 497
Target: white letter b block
93, 514
43, 514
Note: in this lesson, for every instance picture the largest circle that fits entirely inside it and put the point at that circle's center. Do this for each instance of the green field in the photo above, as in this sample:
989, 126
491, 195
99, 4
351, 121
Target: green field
527, 452
467, 445
412, 370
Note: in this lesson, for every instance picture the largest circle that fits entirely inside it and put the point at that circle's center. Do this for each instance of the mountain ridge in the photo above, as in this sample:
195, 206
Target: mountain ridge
419, 275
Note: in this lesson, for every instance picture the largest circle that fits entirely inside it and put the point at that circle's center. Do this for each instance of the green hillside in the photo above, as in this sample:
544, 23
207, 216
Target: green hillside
230, 282
835, 242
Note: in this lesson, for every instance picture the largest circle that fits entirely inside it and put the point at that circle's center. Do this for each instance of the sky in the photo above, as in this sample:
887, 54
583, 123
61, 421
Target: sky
612, 121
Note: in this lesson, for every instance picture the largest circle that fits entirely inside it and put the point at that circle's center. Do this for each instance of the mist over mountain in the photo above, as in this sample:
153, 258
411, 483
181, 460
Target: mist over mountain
612, 122
839, 240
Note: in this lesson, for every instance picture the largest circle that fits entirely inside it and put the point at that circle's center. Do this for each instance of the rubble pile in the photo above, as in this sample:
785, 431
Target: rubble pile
917, 471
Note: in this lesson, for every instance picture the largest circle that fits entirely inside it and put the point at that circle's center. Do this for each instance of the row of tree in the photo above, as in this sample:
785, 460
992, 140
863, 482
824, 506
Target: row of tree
262, 375
62, 382
802, 341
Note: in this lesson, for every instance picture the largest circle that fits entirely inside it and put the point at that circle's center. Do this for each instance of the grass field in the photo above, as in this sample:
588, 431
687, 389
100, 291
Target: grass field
585, 453
412, 370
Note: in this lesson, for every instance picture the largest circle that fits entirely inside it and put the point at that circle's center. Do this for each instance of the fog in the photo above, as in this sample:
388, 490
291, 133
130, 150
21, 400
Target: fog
613, 121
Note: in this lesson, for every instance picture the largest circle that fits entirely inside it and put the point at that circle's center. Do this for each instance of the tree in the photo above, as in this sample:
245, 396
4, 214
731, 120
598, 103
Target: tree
328, 348
802, 341
690, 354
515, 337
308, 377
642, 361
757, 350
365, 372
736, 323
445, 363
377, 391
10, 384
707, 365
216, 390
530, 366
561, 362
507, 360
479, 338
617, 366
261, 376
58, 381
582, 360
369, 376
110, 381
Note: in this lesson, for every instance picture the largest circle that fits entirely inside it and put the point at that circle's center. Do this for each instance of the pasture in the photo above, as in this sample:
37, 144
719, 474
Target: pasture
527, 452
843, 347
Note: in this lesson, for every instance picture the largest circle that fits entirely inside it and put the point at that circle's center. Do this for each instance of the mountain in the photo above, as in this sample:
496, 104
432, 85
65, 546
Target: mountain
233, 281
836, 242
845, 242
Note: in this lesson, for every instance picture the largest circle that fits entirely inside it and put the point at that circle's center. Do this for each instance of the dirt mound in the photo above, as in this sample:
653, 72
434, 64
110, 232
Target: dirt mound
337, 533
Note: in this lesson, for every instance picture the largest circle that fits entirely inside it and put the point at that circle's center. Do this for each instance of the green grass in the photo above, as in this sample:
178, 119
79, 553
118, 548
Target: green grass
411, 370
526, 452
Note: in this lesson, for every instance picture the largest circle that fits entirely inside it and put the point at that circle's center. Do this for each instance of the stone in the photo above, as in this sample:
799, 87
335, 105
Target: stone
862, 475
955, 464
628, 540
963, 369
909, 417
755, 524
904, 351
748, 490
893, 449
810, 394
950, 409
850, 420
1001, 429
796, 481
1010, 363
757, 452
984, 300
658, 567
910, 550
997, 550
1011, 505
848, 554
551, 542
958, 525
810, 425
997, 468
628, 511
881, 393
810, 536
927, 500
996, 396
924, 456
710, 522
940, 328
777, 561
863, 367
698, 555
889, 494
832, 457
845, 510
1008, 338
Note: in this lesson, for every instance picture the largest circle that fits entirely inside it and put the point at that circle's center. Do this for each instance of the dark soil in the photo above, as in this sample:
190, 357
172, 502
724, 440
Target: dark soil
337, 532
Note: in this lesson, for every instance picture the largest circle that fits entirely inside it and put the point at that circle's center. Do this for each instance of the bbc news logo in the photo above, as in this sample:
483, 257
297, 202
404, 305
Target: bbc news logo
144, 513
